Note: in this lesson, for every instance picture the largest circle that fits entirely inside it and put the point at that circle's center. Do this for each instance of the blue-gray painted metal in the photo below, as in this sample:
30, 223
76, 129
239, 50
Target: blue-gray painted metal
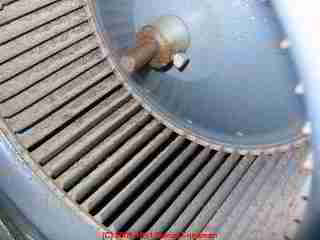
239, 86
14, 225
39, 204
301, 19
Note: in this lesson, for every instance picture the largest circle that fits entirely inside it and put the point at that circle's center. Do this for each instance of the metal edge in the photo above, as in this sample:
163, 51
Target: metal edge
300, 18
37, 197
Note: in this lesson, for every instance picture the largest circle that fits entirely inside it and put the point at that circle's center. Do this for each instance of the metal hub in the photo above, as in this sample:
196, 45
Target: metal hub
163, 42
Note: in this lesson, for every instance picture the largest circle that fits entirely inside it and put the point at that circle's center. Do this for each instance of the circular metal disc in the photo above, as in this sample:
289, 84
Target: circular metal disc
239, 86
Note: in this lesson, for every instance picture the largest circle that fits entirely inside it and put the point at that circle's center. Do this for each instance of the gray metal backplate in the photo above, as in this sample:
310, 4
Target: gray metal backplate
239, 86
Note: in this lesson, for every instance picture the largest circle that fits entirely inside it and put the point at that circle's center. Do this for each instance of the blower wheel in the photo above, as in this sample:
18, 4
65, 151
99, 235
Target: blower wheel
154, 116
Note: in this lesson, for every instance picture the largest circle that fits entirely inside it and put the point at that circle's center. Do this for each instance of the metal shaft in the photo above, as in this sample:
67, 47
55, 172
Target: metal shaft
138, 57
